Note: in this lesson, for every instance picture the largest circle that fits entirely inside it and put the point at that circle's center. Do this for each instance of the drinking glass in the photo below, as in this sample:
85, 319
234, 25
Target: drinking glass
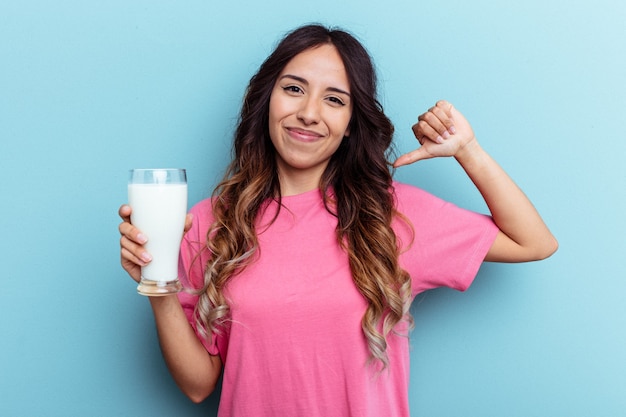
158, 198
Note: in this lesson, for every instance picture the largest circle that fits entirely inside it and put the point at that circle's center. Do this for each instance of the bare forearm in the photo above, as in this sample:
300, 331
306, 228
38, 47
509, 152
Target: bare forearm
528, 236
194, 370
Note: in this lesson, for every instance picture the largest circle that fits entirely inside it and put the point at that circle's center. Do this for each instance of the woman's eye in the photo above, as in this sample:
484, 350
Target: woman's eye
292, 89
336, 100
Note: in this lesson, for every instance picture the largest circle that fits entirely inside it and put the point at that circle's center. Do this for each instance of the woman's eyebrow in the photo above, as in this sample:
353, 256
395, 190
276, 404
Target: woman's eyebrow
305, 82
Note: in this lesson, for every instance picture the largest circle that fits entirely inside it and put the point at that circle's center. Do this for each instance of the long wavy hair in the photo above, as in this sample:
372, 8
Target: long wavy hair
357, 184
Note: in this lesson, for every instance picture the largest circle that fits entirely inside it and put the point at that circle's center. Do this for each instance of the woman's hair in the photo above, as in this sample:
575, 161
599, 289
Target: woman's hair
357, 184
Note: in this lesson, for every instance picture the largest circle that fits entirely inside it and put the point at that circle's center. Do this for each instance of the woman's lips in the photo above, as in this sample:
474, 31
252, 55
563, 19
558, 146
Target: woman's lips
303, 135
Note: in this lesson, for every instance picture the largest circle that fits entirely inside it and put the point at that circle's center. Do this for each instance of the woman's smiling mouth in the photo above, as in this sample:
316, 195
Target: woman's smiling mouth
303, 135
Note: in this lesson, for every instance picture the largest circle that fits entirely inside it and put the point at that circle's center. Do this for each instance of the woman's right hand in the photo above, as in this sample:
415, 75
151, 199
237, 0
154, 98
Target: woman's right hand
133, 253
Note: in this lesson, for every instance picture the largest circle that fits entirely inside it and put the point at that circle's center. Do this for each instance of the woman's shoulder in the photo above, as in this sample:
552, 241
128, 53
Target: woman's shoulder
403, 187
416, 203
408, 193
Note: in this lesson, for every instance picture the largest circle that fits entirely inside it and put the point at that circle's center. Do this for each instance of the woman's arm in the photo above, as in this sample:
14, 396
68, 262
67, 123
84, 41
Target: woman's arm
443, 131
195, 371
523, 234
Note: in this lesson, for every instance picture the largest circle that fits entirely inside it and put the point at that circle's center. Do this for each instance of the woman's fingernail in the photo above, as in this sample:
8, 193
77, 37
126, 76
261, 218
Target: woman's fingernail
141, 238
446, 135
452, 130
146, 257
439, 139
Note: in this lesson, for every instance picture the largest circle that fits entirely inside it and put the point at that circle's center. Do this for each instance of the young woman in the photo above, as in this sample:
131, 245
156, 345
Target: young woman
301, 269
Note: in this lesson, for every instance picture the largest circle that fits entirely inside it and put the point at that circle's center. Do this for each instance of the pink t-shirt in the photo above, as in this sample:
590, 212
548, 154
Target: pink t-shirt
295, 345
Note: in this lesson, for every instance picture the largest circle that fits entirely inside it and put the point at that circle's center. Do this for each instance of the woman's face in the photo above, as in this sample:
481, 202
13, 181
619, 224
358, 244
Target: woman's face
310, 109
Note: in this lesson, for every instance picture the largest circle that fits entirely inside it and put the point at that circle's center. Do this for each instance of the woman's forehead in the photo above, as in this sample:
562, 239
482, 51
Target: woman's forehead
319, 64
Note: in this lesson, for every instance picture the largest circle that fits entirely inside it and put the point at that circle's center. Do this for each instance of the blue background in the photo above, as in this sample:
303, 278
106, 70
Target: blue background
90, 89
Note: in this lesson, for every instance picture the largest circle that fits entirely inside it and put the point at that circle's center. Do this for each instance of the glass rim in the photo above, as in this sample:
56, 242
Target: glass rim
157, 176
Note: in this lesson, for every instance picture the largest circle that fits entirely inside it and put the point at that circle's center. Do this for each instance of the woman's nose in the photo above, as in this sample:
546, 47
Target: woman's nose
309, 112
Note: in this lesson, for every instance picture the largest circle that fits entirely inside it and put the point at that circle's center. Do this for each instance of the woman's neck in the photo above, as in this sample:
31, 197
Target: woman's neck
294, 181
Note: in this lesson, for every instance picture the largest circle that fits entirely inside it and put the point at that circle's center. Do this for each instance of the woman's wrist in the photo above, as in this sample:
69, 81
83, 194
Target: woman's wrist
164, 303
470, 155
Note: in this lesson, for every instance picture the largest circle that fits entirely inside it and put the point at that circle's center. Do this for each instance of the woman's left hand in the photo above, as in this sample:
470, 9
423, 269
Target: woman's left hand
441, 131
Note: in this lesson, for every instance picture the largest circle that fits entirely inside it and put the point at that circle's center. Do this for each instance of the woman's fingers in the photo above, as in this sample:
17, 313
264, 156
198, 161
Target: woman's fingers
132, 252
411, 157
441, 132
127, 229
132, 233
133, 257
124, 212
436, 124
132, 242
423, 130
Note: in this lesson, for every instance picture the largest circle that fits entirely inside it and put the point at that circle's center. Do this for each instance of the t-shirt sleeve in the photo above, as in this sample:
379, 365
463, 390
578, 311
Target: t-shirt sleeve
447, 244
191, 264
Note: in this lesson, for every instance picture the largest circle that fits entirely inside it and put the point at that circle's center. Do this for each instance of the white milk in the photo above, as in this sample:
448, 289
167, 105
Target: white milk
159, 211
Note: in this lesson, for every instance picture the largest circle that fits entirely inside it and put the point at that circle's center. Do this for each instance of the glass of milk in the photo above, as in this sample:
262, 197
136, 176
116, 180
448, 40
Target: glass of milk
158, 198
